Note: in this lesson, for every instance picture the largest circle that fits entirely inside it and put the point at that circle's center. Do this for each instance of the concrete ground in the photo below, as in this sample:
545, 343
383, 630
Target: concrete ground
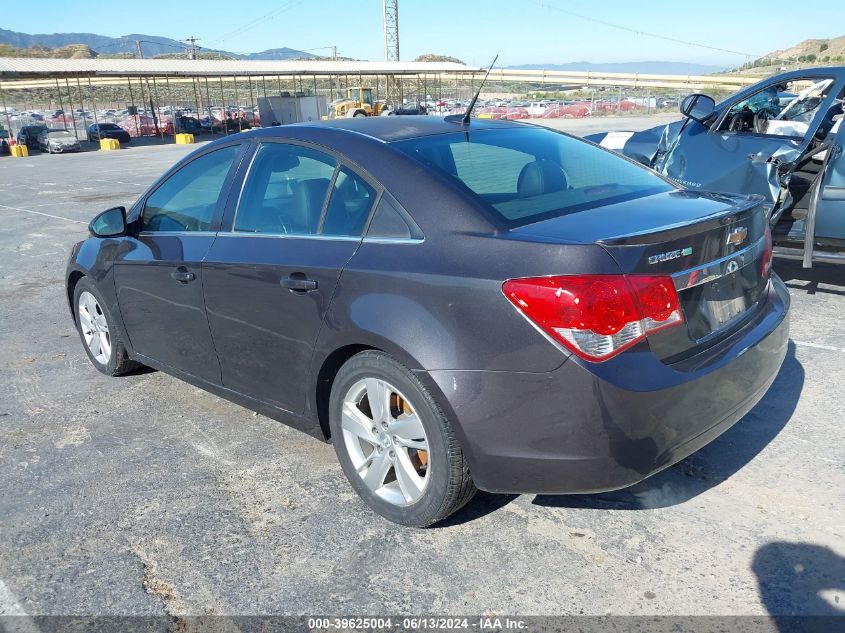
144, 495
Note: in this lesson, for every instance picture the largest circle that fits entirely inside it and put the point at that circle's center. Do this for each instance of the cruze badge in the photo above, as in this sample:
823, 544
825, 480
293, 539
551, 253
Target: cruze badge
737, 236
669, 255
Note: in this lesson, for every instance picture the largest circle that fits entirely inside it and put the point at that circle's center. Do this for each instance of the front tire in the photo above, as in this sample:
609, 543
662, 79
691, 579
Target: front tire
100, 338
396, 447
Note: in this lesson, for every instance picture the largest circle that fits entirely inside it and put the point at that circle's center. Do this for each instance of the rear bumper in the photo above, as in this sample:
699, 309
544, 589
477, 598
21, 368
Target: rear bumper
595, 427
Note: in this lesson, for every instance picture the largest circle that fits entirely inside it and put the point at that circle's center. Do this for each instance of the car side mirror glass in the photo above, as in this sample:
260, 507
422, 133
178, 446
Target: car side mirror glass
109, 223
698, 107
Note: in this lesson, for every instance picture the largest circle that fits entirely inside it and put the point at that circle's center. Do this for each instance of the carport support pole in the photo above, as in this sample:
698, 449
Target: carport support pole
70, 105
59, 93
224, 112
81, 103
158, 105
238, 105
93, 104
144, 105
8, 120
132, 100
172, 102
197, 97
208, 105
251, 97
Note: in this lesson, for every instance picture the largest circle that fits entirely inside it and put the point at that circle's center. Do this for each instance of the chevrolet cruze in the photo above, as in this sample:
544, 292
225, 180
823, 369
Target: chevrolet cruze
455, 306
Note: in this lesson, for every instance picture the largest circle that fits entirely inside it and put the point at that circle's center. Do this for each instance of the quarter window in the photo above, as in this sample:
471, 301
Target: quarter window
186, 201
388, 221
285, 190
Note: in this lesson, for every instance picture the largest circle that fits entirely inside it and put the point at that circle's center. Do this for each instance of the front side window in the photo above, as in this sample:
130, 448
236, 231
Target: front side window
187, 200
285, 190
528, 175
782, 109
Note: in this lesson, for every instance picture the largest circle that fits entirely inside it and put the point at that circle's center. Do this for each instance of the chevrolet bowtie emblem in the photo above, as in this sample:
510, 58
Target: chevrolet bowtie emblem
737, 236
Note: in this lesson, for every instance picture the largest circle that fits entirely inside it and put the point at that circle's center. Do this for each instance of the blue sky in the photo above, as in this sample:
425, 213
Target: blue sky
520, 31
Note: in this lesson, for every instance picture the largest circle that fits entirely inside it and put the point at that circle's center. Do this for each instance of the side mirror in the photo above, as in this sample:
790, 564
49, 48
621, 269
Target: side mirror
109, 223
698, 107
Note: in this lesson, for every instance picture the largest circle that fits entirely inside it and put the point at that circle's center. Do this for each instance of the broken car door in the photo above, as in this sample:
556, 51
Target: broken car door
751, 140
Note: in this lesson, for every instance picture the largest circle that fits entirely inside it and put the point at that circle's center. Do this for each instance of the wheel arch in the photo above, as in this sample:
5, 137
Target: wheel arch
325, 379
72, 280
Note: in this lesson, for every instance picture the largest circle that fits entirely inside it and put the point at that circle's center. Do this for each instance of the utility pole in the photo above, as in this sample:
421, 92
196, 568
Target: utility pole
192, 51
139, 53
391, 30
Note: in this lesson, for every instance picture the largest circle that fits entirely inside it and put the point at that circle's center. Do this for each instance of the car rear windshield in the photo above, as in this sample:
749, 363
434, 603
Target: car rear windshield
528, 175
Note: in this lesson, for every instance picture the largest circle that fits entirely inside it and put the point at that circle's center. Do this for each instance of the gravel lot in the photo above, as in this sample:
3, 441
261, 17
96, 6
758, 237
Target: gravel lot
144, 495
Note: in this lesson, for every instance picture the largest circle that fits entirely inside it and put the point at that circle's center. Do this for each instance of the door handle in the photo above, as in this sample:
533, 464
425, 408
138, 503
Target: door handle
183, 276
298, 282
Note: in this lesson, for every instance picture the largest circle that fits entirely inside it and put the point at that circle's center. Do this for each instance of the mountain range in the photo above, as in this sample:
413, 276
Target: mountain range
648, 67
151, 45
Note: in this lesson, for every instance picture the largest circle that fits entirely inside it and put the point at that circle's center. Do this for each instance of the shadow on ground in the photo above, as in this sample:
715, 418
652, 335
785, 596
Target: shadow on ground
711, 465
799, 579
808, 279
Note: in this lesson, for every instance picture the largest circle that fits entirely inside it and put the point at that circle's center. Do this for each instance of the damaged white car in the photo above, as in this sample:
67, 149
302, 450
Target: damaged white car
781, 138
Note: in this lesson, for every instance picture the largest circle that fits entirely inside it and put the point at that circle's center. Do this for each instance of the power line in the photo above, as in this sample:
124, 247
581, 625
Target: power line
621, 27
253, 23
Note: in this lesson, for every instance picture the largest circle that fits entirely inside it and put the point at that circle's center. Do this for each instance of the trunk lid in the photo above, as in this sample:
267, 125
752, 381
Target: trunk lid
712, 245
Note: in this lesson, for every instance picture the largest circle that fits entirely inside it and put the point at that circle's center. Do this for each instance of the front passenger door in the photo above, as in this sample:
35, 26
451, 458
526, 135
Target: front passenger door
158, 273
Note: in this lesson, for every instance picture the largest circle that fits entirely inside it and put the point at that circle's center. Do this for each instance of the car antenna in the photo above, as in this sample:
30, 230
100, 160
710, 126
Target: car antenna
464, 118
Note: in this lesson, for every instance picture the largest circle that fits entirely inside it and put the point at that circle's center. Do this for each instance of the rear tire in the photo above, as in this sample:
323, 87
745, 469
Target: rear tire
100, 338
402, 457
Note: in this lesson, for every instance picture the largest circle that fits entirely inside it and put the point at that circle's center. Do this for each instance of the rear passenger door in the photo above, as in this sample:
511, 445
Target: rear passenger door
269, 278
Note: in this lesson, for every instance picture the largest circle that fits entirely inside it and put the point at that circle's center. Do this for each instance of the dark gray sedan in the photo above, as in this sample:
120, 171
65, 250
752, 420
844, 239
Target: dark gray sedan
489, 305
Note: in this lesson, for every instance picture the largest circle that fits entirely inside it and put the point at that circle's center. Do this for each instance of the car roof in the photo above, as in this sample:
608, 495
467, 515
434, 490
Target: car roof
394, 128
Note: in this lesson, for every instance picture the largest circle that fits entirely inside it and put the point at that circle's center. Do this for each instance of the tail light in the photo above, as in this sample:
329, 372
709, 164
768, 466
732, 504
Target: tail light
766, 267
597, 316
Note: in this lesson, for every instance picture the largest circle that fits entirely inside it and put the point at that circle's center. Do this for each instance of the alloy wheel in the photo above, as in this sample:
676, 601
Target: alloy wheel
95, 328
386, 442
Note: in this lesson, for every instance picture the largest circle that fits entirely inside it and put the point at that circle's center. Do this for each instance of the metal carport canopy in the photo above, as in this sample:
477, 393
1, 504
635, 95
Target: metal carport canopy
12, 68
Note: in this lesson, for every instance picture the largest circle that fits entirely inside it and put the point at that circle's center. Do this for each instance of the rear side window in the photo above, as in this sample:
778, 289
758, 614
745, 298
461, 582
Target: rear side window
350, 204
186, 201
285, 190
528, 175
